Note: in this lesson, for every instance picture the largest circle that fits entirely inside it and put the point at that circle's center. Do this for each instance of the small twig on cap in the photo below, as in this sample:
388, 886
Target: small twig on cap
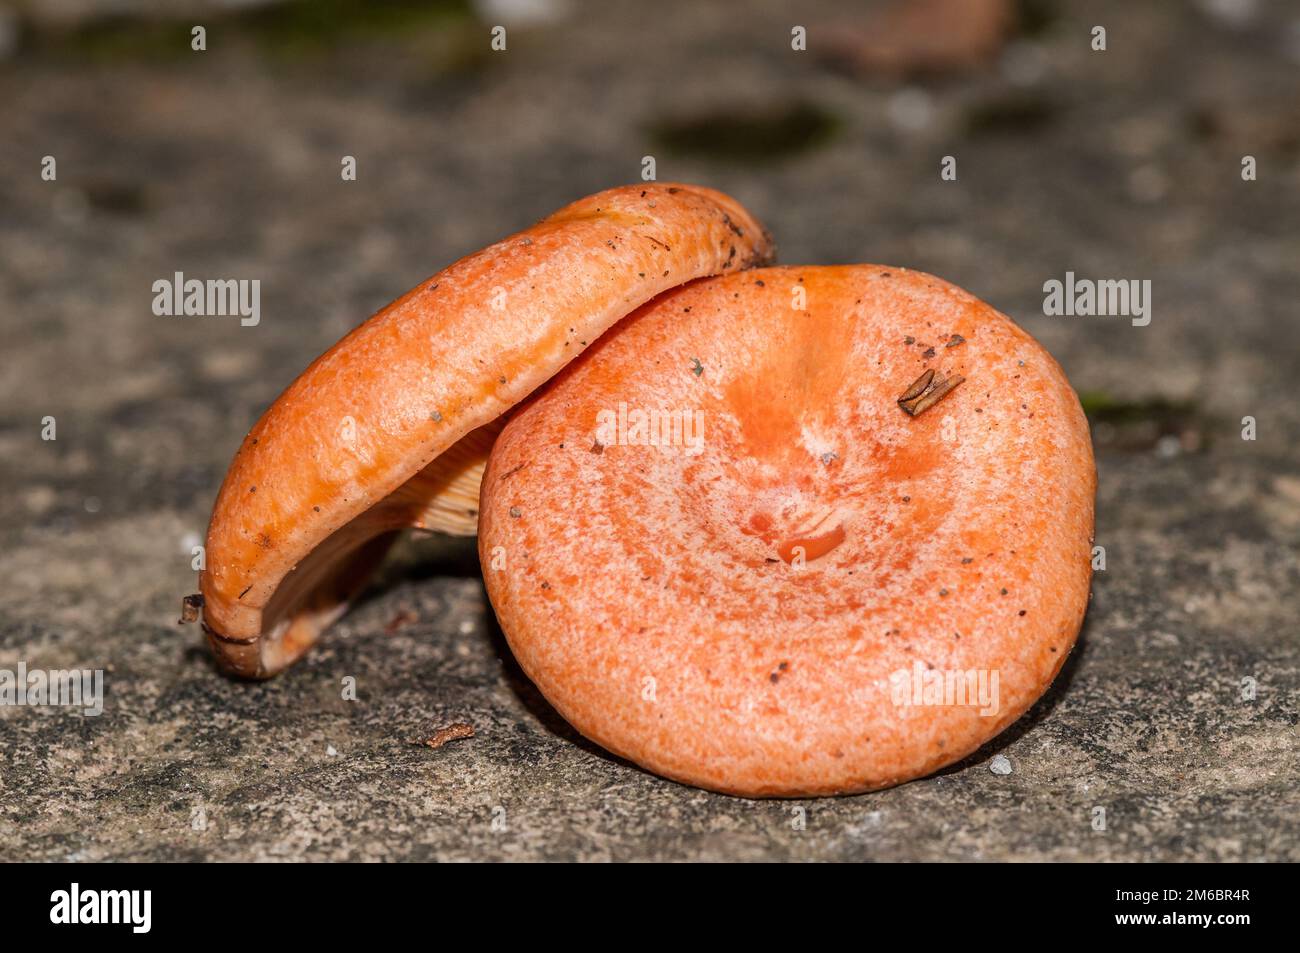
925, 392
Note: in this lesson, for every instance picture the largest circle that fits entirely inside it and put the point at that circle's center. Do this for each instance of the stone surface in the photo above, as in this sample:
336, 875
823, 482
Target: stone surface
226, 163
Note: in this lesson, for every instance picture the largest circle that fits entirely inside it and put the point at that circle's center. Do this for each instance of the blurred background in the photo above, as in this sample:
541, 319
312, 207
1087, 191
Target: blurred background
225, 162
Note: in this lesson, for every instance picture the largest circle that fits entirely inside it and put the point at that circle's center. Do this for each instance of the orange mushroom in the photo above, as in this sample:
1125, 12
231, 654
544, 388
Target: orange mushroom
870, 557
783, 532
391, 426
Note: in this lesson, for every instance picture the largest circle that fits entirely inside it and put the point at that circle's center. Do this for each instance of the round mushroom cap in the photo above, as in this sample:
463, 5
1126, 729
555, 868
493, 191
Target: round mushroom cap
723, 549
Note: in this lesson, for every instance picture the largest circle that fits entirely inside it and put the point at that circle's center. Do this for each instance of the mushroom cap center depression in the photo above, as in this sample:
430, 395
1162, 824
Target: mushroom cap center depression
763, 456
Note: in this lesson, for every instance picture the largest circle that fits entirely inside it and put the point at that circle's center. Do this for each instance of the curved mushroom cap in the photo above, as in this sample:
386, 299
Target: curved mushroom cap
356, 446
755, 590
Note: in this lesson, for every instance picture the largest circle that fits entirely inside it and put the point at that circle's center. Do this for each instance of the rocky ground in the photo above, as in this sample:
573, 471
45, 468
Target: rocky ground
1176, 714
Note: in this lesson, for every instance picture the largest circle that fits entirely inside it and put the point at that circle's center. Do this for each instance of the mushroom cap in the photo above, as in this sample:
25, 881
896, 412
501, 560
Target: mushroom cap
352, 450
764, 610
